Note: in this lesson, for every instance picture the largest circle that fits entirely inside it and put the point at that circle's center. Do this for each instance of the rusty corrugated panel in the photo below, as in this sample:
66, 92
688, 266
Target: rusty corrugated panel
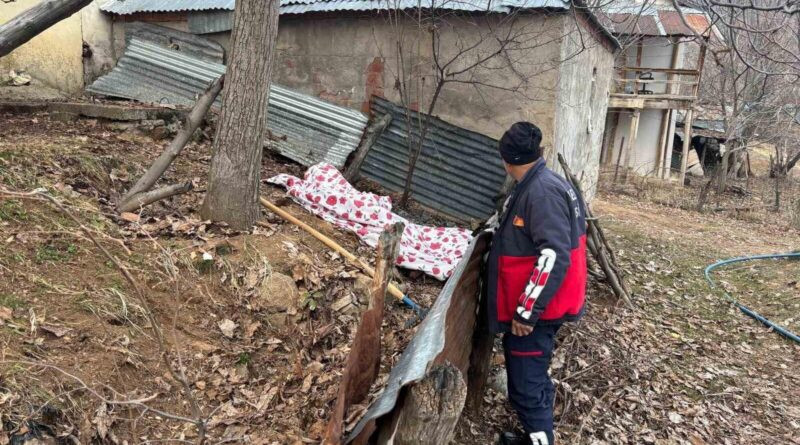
699, 22
631, 24
444, 335
673, 25
303, 128
458, 173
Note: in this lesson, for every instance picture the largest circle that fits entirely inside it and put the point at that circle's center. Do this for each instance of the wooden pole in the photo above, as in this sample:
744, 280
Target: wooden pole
363, 361
371, 135
666, 117
393, 289
687, 139
634, 131
33, 21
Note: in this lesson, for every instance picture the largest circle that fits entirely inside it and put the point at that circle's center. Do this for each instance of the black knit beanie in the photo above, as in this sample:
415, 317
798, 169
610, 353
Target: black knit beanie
521, 144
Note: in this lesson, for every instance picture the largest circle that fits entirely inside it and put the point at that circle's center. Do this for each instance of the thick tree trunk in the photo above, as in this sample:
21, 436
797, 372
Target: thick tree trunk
30, 23
235, 175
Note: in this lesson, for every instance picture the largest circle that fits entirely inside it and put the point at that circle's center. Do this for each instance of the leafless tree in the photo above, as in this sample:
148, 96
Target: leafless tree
756, 69
438, 46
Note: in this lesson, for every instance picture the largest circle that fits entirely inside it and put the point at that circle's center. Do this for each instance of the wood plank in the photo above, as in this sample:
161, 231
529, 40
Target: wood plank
681, 82
687, 72
687, 137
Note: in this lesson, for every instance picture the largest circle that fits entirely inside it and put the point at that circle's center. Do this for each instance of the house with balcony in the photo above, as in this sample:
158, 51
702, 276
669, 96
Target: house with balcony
657, 74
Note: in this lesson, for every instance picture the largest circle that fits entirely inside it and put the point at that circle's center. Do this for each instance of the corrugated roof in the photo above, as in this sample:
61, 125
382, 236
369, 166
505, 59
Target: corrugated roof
458, 172
651, 19
123, 7
133, 6
303, 128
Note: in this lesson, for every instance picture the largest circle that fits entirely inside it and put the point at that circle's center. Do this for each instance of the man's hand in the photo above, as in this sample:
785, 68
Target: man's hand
520, 329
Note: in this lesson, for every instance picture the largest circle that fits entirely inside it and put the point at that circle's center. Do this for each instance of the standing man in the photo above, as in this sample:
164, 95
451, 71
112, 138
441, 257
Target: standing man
536, 277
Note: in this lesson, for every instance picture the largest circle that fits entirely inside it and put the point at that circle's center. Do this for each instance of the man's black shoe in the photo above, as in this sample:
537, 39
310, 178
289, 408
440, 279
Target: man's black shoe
509, 438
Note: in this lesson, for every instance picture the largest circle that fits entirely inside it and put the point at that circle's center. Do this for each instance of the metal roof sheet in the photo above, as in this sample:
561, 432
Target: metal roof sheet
186, 43
123, 7
458, 172
133, 6
303, 128
650, 19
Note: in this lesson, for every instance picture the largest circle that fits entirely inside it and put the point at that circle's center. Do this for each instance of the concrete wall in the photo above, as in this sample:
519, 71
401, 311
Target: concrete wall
347, 59
656, 53
97, 30
581, 102
53, 57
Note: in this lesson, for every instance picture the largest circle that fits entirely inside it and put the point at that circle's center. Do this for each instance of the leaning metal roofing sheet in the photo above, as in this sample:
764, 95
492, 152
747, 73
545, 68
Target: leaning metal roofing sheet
458, 172
302, 6
305, 129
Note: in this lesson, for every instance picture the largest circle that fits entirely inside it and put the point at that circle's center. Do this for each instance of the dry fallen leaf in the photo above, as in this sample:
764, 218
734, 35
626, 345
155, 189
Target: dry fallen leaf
130, 217
58, 331
227, 327
5, 314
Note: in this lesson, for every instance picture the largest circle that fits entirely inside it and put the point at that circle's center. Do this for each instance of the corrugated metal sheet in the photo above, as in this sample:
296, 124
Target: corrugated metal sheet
186, 43
652, 20
207, 22
635, 24
123, 7
300, 7
436, 340
303, 128
458, 173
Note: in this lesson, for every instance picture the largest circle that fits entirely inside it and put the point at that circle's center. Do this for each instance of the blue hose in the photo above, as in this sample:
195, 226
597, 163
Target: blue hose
766, 322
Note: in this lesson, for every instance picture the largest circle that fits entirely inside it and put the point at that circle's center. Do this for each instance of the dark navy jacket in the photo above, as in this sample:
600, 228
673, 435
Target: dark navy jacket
537, 262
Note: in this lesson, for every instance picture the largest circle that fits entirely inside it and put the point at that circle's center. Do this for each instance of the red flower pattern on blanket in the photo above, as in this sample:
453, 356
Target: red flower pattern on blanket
326, 193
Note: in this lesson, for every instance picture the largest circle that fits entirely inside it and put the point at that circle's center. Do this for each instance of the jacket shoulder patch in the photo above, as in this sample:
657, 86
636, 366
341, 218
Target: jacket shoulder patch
518, 221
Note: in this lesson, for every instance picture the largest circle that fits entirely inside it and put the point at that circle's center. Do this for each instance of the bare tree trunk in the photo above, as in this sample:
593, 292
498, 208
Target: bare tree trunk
415, 149
235, 174
32, 22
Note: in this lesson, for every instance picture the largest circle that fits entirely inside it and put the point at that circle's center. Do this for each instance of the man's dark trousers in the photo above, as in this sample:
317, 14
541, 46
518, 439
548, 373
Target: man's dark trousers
529, 387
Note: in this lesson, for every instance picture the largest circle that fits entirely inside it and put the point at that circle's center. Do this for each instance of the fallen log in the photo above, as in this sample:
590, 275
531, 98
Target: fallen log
134, 198
598, 244
33, 21
363, 361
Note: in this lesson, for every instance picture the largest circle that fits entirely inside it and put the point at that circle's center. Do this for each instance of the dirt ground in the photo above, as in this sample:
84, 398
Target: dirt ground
261, 329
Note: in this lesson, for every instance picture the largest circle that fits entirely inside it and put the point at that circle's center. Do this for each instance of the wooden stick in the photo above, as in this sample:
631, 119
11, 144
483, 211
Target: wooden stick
366, 268
597, 244
372, 134
363, 361
144, 198
160, 165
